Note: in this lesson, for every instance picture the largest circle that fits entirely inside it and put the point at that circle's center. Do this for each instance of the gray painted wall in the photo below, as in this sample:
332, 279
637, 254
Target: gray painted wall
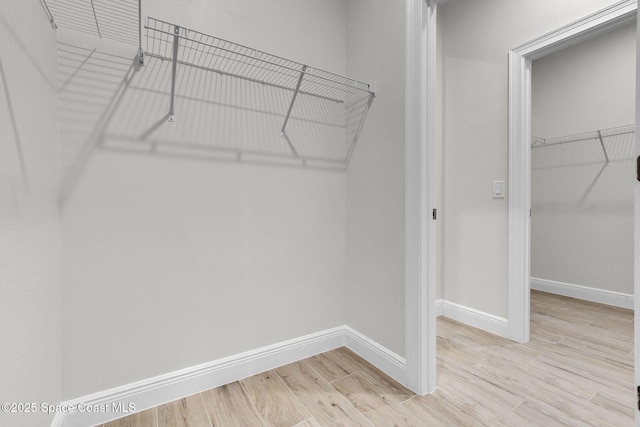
176, 259
30, 368
582, 223
375, 177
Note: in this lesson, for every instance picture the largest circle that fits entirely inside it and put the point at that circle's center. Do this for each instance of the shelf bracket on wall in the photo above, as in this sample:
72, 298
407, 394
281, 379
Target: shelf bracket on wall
140, 50
536, 141
283, 132
604, 150
52, 21
141, 56
174, 67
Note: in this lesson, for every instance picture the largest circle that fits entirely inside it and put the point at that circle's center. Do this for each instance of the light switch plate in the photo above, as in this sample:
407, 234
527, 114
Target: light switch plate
498, 189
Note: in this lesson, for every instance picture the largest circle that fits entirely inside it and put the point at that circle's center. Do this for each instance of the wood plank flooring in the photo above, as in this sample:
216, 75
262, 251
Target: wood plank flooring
577, 370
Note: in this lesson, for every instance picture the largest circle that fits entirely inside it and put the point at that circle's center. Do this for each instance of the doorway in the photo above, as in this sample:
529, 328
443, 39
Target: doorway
520, 67
582, 151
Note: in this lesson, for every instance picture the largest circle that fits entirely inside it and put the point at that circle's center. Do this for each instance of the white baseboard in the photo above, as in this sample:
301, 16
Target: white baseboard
601, 296
476, 318
379, 356
439, 308
176, 385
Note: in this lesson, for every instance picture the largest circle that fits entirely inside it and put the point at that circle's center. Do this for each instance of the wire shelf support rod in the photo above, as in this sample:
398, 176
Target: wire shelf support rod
174, 69
604, 150
283, 132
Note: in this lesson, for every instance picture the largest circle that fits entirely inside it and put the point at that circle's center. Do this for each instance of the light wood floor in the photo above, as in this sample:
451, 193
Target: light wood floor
577, 370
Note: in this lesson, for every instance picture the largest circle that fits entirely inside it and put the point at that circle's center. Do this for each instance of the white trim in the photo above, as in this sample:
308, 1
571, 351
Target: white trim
185, 382
381, 357
420, 238
616, 299
519, 189
175, 385
439, 311
520, 154
636, 247
478, 319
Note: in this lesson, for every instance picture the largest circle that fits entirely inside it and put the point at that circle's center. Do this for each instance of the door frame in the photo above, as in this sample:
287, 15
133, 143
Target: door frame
420, 195
420, 146
519, 192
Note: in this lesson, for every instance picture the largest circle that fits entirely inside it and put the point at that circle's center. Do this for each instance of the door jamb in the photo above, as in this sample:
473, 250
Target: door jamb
420, 192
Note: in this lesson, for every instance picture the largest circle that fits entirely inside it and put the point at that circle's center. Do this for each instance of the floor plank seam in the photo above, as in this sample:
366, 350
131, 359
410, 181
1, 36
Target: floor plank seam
409, 398
294, 395
512, 410
341, 378
594, 395
206, 409
413, 397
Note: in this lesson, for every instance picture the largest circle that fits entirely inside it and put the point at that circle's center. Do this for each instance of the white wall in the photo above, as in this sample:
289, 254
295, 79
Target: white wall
477, 37
583, 211
171, 259
30, 366
375, 177
585, 87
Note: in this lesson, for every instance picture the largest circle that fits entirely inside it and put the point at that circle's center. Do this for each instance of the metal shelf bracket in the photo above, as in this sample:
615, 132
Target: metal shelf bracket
140, 50
604, 150
174, 67
283, 132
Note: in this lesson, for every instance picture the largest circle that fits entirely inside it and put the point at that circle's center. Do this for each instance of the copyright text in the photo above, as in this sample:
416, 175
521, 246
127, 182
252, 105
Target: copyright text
30, 407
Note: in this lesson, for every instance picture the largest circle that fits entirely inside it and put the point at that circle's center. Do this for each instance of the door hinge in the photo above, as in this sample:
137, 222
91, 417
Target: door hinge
638, 168
638, 395
435, 214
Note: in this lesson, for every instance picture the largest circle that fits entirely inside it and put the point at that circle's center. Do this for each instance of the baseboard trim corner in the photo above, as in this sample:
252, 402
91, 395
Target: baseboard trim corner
616, 299
384, 359
478, 319
178, 384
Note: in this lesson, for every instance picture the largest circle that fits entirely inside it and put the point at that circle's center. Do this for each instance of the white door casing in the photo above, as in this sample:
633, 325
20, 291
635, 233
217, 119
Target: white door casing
636, 247
520, 59
420, 238
420, 177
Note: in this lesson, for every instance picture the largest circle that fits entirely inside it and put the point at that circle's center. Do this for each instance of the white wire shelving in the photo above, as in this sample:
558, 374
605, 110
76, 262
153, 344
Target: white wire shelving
183, 46
597, 135
111, 19
323, 110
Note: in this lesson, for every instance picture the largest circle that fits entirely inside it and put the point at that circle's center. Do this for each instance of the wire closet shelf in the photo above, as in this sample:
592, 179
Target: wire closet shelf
537, 142
598, 135
323, 111
109, 19
351, 98
188, 47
